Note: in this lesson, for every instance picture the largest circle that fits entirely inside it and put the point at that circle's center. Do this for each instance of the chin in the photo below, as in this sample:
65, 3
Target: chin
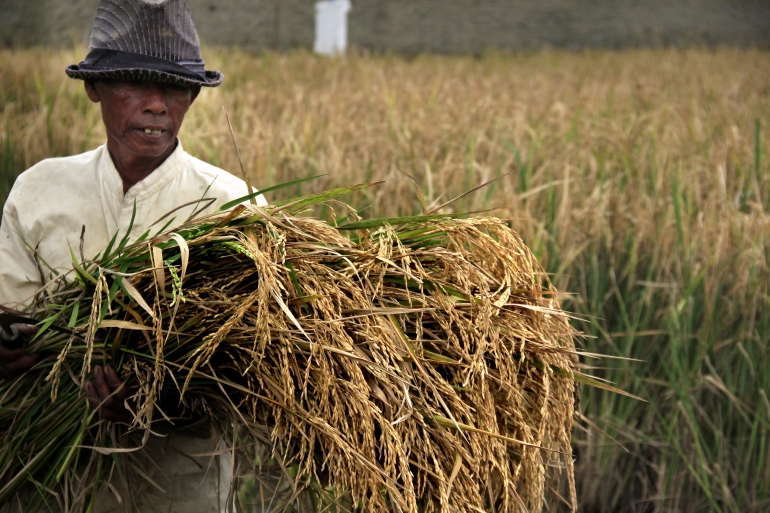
155, 148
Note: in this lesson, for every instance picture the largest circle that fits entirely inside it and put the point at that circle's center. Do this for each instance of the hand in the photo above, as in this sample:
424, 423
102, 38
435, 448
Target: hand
14, 361
109, 393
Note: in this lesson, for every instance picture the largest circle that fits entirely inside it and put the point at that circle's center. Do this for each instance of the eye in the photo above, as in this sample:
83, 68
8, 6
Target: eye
119, 85
177, 88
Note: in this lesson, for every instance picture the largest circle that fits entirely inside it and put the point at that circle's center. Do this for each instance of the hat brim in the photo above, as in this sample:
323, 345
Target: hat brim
212, 78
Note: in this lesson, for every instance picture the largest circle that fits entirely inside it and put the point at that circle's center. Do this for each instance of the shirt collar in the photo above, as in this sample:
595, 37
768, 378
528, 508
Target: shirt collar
153, 183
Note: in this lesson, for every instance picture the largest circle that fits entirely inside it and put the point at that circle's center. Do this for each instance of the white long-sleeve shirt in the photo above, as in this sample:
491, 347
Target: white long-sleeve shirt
48, 207
52, 201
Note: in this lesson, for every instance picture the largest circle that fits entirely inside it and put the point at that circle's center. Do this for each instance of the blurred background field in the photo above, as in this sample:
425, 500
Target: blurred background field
640, 178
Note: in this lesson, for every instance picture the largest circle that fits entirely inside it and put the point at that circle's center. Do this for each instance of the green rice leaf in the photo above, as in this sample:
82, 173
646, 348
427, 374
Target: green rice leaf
83, 275
110, 245
126, 237
74, 315
243, 199
298, 204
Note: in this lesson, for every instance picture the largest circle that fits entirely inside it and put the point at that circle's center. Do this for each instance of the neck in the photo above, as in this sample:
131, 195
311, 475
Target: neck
134, 168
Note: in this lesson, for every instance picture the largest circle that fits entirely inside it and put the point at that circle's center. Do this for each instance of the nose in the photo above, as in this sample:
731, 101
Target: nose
154, 100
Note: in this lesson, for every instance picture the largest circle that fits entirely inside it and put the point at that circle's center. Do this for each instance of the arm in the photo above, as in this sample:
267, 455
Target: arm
20, 276
19, 279
17, 261
107, 392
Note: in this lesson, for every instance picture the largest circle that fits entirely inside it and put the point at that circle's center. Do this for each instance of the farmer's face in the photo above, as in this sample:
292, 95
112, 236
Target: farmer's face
142, 118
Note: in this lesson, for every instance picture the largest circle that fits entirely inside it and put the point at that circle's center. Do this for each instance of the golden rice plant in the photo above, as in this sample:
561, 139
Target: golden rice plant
640, 179
406, 364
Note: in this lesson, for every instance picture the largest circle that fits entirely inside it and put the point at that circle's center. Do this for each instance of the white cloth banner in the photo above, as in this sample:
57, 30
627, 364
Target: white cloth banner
331, 27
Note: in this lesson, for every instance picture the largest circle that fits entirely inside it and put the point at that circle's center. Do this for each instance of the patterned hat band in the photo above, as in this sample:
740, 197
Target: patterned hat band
99, 59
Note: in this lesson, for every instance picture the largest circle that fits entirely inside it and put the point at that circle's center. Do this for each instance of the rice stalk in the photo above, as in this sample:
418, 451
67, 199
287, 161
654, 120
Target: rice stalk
406, 364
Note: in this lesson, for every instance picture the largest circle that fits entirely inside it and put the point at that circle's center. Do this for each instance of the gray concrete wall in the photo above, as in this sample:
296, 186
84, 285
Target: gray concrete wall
448, 26
470, 26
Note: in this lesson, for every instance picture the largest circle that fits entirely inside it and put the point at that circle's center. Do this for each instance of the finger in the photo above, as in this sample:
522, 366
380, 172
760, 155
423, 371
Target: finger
9, 355
102, 387
8, 359
106, 411
92, 396
96, 402
112, 400
27, 329
18, 366
115, 382
114, 410
24, 363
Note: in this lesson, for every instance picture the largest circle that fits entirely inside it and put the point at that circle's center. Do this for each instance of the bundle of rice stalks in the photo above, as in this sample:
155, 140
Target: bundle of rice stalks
411, 364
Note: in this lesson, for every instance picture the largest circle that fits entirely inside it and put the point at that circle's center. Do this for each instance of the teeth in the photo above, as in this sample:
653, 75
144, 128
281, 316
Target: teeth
154, 132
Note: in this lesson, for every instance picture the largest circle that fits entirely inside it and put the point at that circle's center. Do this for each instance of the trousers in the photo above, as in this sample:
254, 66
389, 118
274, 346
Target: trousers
186, 475
188, 478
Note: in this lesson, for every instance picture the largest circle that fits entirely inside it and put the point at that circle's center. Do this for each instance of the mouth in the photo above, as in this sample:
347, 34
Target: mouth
151, 131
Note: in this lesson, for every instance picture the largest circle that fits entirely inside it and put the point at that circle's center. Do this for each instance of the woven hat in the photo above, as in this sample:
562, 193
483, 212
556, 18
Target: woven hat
145, 40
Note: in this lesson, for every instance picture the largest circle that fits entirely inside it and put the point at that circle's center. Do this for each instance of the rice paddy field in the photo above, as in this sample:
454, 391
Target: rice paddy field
640, 179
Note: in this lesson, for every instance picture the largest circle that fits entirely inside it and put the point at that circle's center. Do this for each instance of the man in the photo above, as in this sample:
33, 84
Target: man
144, 68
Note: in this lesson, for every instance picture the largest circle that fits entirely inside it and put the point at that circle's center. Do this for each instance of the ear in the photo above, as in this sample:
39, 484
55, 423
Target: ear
91, 91
195, 90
